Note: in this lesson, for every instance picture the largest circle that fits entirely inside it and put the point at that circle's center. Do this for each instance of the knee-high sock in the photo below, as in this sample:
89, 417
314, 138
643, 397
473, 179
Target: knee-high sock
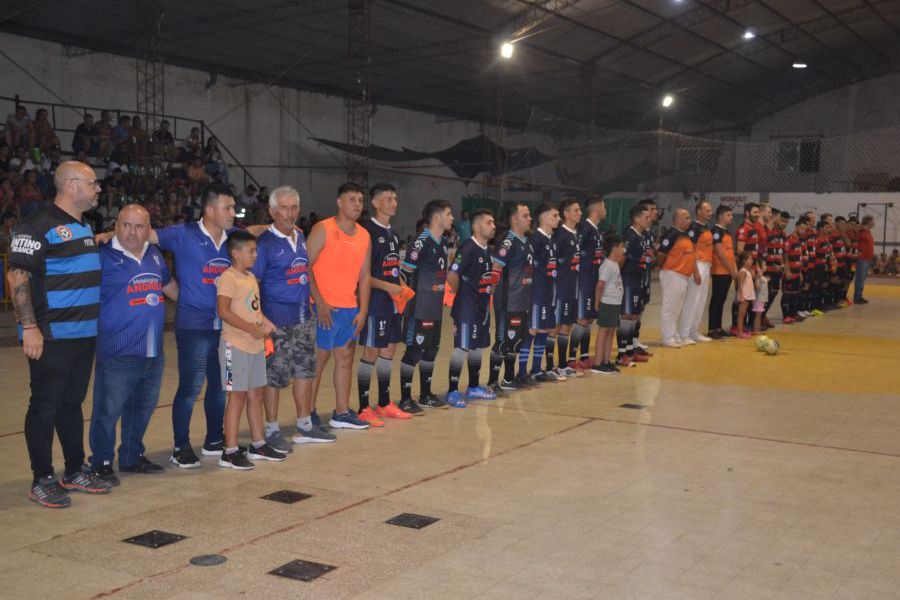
457, 360
426, 370
509, 367
364, 381
562, 348
496, 363
585, 345
786, 301
575, 336
537, 359
524, 353
636, 335
383, 368
475, 367
551, 344
407, 371
625, 334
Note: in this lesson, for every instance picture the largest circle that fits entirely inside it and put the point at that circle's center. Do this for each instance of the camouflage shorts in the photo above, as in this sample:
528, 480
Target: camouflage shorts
294, 356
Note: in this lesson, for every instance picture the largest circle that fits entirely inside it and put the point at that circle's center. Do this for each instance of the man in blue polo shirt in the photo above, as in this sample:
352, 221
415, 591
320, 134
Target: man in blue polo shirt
282, 268
129, 348
54, 281
200, 257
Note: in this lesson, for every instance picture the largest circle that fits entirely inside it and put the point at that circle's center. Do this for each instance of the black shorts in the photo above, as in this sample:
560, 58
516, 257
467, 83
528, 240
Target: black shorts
774, 281
819, 276
381, 331
792, 286
512, 329
586, 306
566, 311
424, 335
471, 336
633, 299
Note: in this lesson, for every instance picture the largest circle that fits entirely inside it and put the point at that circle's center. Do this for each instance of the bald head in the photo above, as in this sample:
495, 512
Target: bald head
77, 188
133, 228
681, 219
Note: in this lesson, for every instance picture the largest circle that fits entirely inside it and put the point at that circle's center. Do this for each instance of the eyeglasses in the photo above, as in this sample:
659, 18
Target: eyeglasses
94, 182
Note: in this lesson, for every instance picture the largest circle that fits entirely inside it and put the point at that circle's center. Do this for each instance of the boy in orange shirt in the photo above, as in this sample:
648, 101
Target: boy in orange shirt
242, 353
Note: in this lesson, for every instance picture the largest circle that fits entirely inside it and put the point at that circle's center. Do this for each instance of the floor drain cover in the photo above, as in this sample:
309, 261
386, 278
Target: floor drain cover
412, 521
634, 406
208, 560
155, 539
286, 496
302, 570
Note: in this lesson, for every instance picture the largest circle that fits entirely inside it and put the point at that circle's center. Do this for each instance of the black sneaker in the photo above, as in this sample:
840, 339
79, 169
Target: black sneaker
715, 334
432, 401
412, 407
46, 491
237, 461
143, 465
506, 385
85, 481
105, 472
513, 385
498, 390
598, 369
609, 369
525, 382
213, 448
185, 458
265, 452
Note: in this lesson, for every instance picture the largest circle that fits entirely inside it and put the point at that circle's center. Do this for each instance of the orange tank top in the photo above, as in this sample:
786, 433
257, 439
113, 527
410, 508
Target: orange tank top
704, 248
337, 266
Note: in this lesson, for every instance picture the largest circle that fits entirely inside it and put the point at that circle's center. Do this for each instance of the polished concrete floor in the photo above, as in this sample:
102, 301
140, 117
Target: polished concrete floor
742, 476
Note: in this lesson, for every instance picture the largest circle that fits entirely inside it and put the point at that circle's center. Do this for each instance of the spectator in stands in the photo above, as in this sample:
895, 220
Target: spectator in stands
8, 196
215, 161
247, 200
29, 196
21, 162
893, 263
464, 227
104, 134
164, 142
87, 137
154, 207
7, 225
44, 136
19, 129
196, 174
4, 159
118, 160
121, 134
140, 139
193, 145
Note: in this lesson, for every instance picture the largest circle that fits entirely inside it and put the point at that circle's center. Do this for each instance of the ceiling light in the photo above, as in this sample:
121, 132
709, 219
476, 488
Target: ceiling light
799, 65
668, 100
749, 35
507, 49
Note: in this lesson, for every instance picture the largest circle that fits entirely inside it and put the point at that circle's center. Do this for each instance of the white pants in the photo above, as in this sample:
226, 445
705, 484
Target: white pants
674, 290
694, 304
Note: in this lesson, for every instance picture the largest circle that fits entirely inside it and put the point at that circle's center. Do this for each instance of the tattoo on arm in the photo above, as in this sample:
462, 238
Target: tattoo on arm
20, 282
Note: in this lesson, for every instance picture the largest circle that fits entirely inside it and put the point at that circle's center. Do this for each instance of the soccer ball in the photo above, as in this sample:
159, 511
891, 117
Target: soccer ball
761, 343
772, 347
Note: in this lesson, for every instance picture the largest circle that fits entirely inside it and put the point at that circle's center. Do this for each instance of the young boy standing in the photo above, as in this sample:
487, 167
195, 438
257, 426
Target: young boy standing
609, 292
242, 353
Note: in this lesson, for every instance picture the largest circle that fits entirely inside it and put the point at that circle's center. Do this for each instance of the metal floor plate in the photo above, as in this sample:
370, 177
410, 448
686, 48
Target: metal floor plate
155, 539
412, 521
302, 570
286, 496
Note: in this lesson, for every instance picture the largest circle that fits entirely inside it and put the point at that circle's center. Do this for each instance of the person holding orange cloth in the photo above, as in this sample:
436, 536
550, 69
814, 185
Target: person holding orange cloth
677, 267
340, 254
695, 301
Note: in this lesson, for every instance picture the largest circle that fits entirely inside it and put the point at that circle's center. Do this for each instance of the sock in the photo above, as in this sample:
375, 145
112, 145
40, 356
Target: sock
540, 341
585, 343
509, 366
272, 428
734, 315
551, 344
304, 423
636, 336
364, 379
457, 360
259, 444
496, 363
623, 335
406, 378
575, 341
474, 360
562, 349
383, 369
426, 369
524, 352
231, 450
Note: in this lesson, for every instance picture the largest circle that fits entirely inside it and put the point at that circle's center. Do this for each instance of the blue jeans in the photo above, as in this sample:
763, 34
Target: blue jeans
198, 359
862, 272
126, 387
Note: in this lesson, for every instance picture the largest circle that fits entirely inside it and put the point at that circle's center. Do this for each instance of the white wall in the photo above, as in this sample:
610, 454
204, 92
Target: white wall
259, 127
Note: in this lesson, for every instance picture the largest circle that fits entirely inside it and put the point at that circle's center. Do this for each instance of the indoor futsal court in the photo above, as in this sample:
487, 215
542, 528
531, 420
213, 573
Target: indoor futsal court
469, 299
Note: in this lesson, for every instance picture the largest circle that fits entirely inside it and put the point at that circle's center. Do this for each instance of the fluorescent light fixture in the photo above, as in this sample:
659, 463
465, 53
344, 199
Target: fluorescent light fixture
799, 65
749, 35
668, 100
507, 49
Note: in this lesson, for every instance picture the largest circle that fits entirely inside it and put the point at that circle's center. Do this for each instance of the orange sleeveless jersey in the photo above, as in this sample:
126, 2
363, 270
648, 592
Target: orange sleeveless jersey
338, 265
704, 248
681, 257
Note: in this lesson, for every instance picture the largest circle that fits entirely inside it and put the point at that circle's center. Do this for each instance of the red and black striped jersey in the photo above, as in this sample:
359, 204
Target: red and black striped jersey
775, 243
794, 254
748, 234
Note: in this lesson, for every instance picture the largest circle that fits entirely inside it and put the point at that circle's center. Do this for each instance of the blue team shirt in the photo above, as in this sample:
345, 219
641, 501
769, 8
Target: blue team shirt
385, 265
425, 269
283, 274
132, 305
545, 269
568, 256
590, 241
198, 264
473, 265
637, 251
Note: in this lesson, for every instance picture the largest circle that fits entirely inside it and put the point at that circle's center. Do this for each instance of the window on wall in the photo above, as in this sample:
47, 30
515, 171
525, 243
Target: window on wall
698, 160
797, 156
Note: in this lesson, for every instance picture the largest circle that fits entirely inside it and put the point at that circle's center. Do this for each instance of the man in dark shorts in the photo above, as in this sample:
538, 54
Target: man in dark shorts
793, 271
590, 242
543, 293
514, 268
568, 256
425, 271
649, 257
747, 240
637, 247
383, 328
471, 278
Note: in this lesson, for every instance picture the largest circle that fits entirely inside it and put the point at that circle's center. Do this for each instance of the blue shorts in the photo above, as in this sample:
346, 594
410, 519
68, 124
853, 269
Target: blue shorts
380, 331
342, 330
633, 298
472, 336
566, 309
586, 307
542, 316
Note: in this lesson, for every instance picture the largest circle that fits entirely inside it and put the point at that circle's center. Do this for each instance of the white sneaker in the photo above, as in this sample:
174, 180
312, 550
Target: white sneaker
701, 338
671, 344
687, 342
638, 344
